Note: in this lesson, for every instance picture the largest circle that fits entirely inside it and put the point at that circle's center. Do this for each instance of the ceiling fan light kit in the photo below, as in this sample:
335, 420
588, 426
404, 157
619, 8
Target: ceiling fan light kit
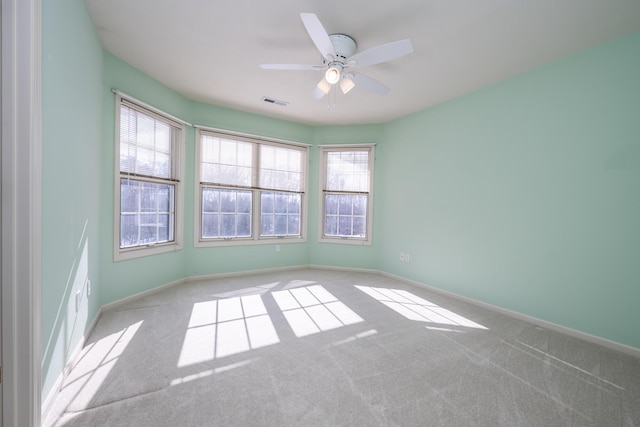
324, 86
346, 84
333, 74
339, 57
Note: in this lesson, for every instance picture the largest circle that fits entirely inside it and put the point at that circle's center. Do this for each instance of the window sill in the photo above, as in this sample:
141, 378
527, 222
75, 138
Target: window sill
248, 242
138, 252
345, 241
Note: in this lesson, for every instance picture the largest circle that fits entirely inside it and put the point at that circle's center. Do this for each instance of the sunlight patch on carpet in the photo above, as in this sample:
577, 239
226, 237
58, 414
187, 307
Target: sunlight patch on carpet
415, 308
312, 309
223, 327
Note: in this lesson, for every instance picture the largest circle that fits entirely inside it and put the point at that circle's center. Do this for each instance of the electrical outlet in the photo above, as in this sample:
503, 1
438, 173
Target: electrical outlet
407, 257
402, 256
277, 248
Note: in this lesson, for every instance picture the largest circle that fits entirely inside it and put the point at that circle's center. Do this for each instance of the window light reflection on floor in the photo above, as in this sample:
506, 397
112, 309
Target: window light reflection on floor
96, 362
415, 308
313, 309
358, 336
209, 372
223, 327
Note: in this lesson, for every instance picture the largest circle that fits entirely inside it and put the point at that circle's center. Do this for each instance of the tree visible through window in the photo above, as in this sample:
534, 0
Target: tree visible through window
280, 214
146, 213
226, 213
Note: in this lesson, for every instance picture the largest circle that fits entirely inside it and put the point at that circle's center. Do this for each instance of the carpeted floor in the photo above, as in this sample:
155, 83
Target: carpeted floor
331, 348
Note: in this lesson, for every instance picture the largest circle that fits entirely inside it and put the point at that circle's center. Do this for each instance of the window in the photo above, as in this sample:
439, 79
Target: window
250, 190
148, 208
346, 203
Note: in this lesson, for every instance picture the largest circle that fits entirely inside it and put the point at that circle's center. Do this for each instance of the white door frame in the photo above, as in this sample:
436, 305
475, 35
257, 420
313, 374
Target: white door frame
21, 211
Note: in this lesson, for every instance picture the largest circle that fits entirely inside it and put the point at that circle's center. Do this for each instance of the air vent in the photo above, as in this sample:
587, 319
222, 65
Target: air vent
275, 101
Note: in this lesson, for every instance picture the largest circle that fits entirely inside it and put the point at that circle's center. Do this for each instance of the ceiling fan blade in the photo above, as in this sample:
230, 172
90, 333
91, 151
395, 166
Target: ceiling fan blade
382, 53
318, 35
370, 84
302, 67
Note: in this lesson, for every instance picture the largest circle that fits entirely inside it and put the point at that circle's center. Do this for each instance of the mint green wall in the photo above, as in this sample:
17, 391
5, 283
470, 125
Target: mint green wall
71, 164
526, 194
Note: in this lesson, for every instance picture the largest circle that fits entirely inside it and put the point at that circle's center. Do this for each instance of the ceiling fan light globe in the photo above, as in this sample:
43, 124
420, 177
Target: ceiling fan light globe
332, 75
324, 86
346, 84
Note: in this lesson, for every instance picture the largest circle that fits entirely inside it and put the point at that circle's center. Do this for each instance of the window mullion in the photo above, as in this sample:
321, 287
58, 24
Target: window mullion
255, 183
256, 214
155, 145
255, 172
139, 209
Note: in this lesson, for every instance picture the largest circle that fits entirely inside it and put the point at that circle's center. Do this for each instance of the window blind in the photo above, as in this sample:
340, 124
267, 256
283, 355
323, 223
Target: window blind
148, 145
347, 171
238, 163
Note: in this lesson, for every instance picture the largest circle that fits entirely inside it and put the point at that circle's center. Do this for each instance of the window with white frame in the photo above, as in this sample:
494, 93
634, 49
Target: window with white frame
149, 183
251, 190
346, 202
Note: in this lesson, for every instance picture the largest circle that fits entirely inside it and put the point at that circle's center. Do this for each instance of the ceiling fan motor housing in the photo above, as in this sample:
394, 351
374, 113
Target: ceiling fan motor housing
344, 46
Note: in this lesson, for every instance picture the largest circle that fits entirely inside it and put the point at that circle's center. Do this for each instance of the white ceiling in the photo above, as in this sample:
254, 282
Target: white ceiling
210, 51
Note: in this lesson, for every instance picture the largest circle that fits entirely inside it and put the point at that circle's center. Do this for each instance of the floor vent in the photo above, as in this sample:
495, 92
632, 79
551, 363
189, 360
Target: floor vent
275, 101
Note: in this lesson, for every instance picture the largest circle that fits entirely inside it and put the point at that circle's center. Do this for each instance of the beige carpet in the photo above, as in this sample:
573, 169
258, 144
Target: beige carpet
329, 348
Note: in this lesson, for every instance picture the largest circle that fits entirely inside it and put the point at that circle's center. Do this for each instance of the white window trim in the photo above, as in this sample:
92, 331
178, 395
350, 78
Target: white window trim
121, 254
21, 141
255, 239
367, 241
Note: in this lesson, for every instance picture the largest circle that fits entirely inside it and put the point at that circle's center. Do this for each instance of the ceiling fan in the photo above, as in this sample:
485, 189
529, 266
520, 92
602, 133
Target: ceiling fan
339, 59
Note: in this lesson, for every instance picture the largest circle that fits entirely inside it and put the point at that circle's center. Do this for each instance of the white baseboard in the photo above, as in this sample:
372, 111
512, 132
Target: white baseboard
594, 339
348, 269
114, 304
246, 273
